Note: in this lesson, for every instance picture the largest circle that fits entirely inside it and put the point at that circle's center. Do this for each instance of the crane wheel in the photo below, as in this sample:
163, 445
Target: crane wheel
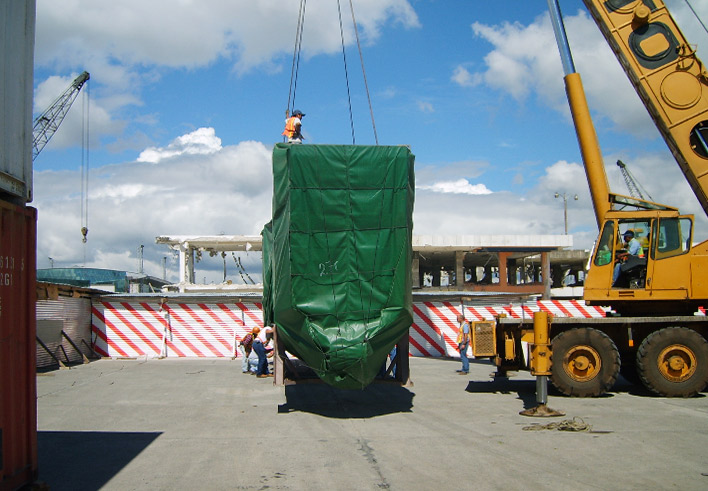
586, 362
673, 362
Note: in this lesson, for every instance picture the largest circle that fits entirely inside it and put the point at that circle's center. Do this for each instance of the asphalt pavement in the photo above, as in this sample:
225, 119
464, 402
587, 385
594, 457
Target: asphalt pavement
202, 424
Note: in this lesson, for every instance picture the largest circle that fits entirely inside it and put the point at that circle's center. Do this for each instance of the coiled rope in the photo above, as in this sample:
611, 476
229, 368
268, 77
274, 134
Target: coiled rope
575, 424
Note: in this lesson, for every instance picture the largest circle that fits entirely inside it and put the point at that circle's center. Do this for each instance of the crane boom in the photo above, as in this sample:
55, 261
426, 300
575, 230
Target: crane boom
635, 189
667, 75
47, 123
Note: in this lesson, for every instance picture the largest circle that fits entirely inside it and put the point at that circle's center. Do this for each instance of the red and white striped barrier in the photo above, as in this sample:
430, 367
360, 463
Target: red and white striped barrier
434, 329
133, 329
129, 329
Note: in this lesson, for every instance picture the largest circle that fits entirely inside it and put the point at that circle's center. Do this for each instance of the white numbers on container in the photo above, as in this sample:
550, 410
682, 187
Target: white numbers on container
7, 262
5, 279
7, 265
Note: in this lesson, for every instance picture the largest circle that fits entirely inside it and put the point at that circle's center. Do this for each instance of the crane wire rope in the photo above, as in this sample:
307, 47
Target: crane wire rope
296, 58
363, 71
696, 15
295, 68
346, 71
85, 164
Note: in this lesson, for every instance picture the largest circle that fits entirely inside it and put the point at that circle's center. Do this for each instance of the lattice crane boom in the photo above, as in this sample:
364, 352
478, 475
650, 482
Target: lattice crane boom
47, 123
635, 189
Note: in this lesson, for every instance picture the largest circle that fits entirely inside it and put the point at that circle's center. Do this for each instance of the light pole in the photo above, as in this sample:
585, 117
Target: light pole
565, 208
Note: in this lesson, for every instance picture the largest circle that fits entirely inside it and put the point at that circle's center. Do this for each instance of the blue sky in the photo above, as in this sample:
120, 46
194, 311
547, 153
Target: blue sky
187, 99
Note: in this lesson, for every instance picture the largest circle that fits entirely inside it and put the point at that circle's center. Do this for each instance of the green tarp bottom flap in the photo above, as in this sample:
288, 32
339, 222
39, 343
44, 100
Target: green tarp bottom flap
338, 264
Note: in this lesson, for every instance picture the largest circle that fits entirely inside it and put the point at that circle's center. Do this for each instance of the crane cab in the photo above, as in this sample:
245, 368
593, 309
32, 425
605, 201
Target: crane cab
656, 276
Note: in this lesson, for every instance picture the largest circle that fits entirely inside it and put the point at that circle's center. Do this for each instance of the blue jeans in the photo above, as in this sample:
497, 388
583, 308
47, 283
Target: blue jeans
463, 356
392, 354
262, 358
616, 272
244, 360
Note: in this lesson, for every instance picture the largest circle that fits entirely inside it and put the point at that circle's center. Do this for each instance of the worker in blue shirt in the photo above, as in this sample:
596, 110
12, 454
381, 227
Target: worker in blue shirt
633, 248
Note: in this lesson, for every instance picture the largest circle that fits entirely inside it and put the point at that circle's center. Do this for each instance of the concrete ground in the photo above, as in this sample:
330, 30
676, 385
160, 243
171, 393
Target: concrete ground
202, 424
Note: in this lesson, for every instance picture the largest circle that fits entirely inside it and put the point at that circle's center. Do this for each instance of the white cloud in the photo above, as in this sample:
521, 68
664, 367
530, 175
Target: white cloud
460, 186
229, 191
425, 107
441, 212
438, 211
192, 34
222, 191
130, 45
461, 76
517, 63
202, 141
525, 61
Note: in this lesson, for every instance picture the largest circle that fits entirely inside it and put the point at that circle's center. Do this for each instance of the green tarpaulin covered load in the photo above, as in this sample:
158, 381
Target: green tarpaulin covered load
337, 256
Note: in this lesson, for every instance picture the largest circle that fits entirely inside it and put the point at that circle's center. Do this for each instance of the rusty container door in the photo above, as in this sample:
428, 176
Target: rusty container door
18, 388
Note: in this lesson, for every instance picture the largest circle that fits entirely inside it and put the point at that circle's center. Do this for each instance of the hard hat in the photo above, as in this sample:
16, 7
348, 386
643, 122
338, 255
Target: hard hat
297, 112
256, 330
628, 232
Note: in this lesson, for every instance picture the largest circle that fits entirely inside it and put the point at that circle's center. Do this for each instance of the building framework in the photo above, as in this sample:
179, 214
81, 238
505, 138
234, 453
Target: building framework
520, 264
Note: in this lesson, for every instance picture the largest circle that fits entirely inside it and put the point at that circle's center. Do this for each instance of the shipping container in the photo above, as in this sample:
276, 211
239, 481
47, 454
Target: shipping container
17, 59
18, 390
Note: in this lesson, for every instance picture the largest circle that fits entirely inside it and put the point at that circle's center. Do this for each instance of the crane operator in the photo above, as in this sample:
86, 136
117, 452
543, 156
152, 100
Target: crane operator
633, 248
293, 127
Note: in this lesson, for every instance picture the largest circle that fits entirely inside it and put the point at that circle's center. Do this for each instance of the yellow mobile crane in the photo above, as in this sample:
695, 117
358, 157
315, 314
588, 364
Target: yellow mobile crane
672, 83
653, 333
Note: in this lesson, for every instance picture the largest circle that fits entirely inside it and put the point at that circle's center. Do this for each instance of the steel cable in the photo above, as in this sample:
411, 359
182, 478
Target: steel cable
346, 71
694, 13
296, 58
363, 71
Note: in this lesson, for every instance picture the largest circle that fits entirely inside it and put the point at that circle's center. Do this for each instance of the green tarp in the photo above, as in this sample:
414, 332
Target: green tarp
337, 256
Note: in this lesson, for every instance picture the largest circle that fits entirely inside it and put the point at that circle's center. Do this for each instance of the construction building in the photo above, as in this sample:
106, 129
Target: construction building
493, 264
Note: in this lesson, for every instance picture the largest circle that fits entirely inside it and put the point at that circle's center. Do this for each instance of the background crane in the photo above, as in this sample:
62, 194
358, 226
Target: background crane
47, 123
635, 189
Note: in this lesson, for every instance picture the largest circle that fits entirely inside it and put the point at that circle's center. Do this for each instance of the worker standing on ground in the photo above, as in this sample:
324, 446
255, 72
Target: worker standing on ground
463, 342
260, 350
293, 127
246, 345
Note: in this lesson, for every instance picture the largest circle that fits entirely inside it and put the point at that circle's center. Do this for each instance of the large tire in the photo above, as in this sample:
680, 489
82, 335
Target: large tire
673, 362
586, 362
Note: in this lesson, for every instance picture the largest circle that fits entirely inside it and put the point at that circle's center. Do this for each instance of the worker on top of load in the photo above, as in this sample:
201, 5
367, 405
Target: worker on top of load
293, 127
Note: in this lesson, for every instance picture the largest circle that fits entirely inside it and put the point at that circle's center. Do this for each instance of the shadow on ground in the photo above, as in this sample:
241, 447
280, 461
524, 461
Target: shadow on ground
86, 460
526, 389
376, 399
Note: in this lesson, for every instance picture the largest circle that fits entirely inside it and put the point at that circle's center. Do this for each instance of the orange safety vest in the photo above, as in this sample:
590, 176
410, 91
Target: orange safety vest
463, 337
290, 127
